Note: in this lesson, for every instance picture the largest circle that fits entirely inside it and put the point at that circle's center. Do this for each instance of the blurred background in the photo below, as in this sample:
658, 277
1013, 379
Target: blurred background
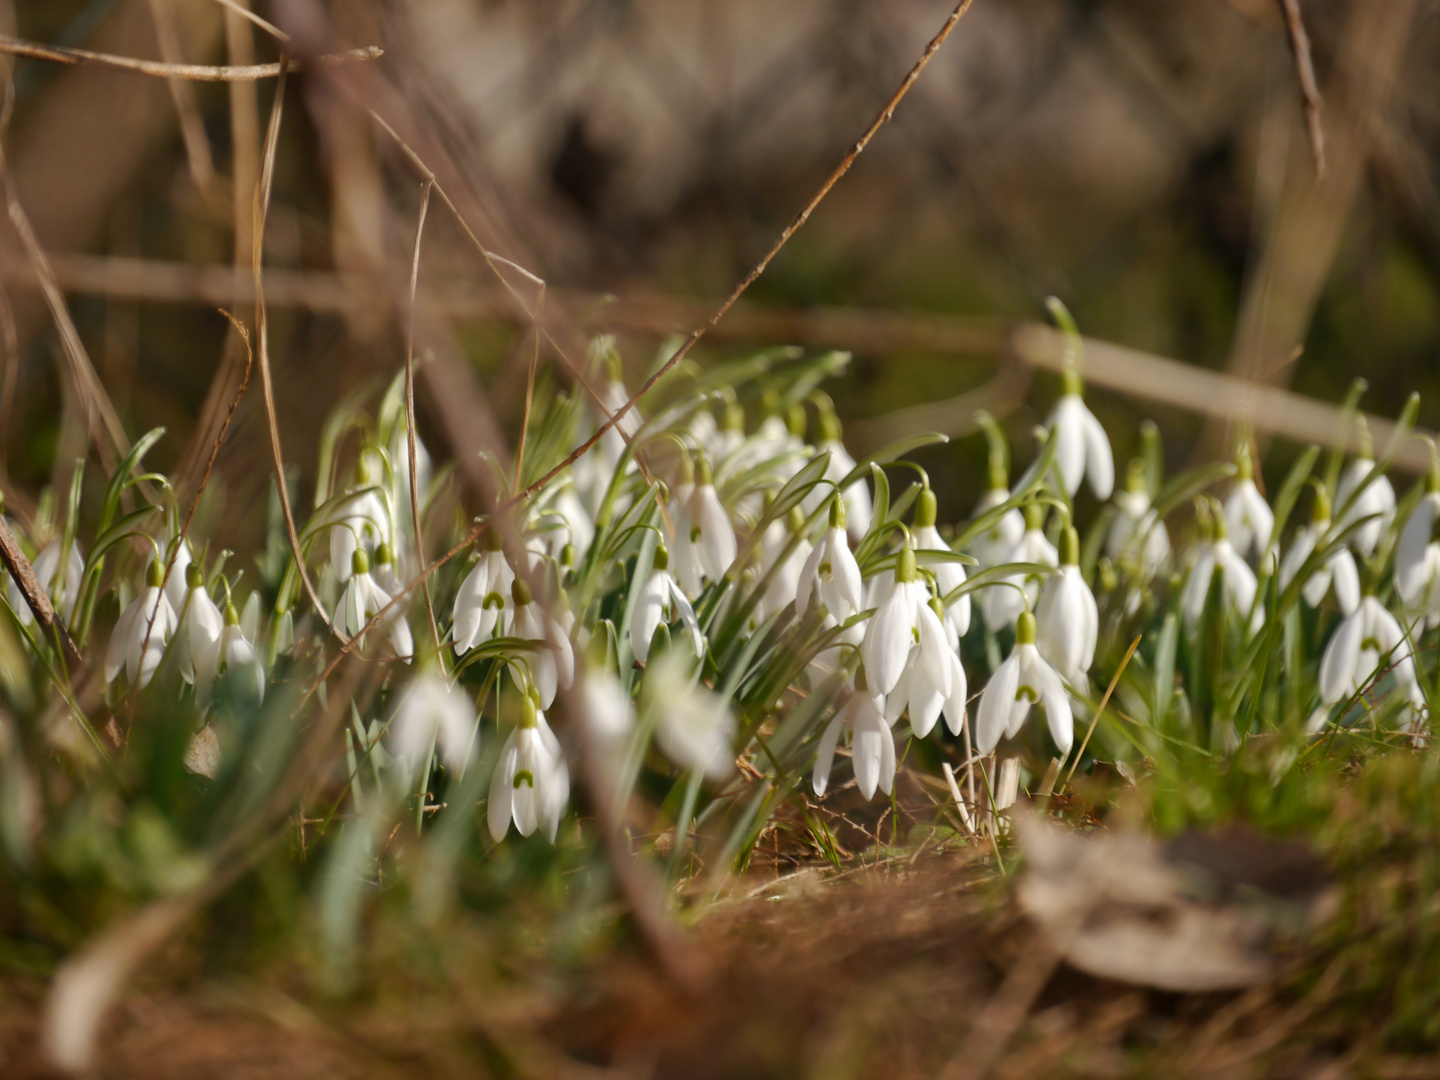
1148, 163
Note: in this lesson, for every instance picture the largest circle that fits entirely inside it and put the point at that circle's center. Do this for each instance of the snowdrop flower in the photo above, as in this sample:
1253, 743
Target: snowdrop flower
1003, 603
1083, 448
661, 601
62, 588
922, 693
1136, 534
1217, 556
552, 664
362, 520
857, 496
177, 586
1339, 569
783, 570
1248, 517
234, 655
993, 546
484, 597
1378, 498
831, 575
142, 632
694, 727
434, 713
531, 785
1023, 680
1067, 620
949, 575
905, 620
1367, 638
872, 745
1417, 557
609, 718
363, 599
200, 626
704, 544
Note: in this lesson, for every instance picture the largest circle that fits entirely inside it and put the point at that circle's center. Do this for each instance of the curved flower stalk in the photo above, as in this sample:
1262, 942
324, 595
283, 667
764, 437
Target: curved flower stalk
1377, 498
1002, 603
949, 575
872, 745
1216, 556
1067, 619
1083, 449
141, 633
1248, 517
1367, 638
552, 663
693, 726
363, 599
922, 691
531, 784
1339, 570
1137, 538
1023, 680
432, 712
360, 521
1417, 556
63, 587
660, 602
905, 621
704, 544
483, 602
830, 573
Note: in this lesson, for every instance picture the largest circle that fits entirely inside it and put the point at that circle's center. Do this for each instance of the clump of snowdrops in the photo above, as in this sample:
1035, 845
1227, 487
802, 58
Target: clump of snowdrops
719, 609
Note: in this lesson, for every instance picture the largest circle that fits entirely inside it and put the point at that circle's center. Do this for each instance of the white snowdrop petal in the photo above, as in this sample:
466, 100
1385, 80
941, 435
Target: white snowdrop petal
1342, 654
993, 716
1099, 461
825, 751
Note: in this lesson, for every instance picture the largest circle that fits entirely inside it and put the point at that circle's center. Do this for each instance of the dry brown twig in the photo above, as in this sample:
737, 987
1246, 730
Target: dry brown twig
23, 575
56, 54
1305, 74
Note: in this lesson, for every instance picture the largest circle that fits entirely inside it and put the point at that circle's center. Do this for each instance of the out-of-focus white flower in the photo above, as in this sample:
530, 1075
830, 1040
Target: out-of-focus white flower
142, 632
1137, 537
1083, 449
1003, 602
552, 662
1339, 569
1067, 620
360, 521
1217, 556
1023, 680
872, 746
949, 575
1248, 517
784, 570
905, 620
661, 601
993, 546
704, 543
1417, 556
1377, 498
831, 574
363, 599
857, 495
609, 719
693, 726
483, 601
62, 588
1364, 640
234, 655
531, 785
433, 712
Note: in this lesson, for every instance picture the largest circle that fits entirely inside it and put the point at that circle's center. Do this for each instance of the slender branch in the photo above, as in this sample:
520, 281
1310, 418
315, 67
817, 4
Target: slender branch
24, 576
410, 409
57, 54
1305, 74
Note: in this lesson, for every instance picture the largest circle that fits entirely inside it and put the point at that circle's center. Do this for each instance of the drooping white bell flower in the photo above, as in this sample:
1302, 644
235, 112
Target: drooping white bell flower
783, 569
177, 585
1023, 680
872, 745
434, 712
902, 621
608, 716
858, 504
552, 662
363, 599
1217, 556
1137, 538
62, 588
1417, 556
949, 575
704, 544
142, 632
1365, 640
360, 521
993, 546
1003, 602
922, 694
1248, 517
831, 574
1067, 620
693, 726
1377, 498
1083, 448
661, 601
200, 626
531, 784
235, 655
1339, 570
483, 601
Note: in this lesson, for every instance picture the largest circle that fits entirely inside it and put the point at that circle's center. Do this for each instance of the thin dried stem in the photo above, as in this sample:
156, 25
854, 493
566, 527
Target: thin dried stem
23, 575
410, 410
57, 54
245, 13
192, 127
1305, 75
